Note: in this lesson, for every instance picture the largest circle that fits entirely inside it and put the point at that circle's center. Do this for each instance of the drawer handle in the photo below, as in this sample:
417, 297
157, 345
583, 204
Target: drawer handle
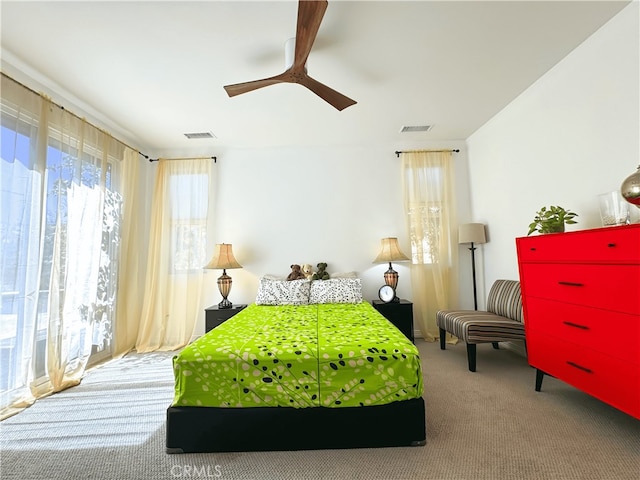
611, 245
579, 367
571, 284
576, 325
533, 249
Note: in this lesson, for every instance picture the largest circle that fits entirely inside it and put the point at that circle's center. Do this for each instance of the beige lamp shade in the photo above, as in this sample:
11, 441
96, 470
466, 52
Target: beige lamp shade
472, 233
223, 258
390, 252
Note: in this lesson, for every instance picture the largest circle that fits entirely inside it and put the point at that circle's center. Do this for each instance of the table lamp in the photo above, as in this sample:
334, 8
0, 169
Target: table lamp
223, 258
390, 252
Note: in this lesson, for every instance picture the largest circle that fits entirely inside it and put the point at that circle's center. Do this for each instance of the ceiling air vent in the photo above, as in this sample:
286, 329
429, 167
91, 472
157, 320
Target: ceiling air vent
193, 136
416, 128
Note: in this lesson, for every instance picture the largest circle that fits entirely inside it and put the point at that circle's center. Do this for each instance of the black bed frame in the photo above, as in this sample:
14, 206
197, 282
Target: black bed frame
207, 429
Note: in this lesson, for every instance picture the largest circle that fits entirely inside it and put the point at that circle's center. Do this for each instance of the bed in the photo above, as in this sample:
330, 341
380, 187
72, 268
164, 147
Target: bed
308, 366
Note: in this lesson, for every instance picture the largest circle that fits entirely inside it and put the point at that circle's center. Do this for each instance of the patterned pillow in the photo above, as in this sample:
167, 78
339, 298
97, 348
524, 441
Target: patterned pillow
282, 292
336, 290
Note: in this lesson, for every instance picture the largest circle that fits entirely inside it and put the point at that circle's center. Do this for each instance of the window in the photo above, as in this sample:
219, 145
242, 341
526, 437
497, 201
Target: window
60, 234
188, 223
425, 213
425, 238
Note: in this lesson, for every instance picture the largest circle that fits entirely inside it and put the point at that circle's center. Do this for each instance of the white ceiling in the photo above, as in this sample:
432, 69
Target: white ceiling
156, 70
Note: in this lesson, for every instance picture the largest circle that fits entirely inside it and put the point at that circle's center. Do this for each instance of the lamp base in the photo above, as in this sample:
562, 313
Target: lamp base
225, 304
224, 285
391, 279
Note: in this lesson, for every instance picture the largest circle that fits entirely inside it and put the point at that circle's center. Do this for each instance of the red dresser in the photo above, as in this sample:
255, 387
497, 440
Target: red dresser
581, 299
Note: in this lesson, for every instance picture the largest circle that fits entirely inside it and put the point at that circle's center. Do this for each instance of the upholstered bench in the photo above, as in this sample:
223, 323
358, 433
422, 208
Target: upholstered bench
501, 322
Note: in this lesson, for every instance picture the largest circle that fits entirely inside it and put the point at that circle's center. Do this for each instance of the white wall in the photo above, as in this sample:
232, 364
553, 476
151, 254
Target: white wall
279, 206
572, 135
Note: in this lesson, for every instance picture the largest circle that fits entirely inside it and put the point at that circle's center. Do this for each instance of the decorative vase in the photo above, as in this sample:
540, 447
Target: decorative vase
630, 188
613, 209
556, 229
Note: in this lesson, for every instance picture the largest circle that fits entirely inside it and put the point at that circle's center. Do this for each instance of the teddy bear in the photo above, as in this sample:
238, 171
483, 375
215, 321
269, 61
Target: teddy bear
321, 274
296, 273
308, 271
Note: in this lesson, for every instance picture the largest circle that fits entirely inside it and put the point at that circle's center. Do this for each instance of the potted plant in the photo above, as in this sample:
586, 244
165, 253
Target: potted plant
551, 220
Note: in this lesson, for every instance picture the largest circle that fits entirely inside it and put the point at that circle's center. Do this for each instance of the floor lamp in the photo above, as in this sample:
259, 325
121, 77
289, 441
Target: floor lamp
472, 233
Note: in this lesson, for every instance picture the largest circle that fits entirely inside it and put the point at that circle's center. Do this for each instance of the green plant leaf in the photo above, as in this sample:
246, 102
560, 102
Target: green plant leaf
551, 219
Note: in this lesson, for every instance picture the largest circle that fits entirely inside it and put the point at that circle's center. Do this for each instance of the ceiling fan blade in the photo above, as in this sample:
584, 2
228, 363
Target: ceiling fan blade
239, 88
328, 94
310, 15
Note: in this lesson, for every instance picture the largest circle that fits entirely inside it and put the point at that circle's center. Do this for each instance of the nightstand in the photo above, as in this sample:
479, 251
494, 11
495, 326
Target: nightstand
399, 313
214, 316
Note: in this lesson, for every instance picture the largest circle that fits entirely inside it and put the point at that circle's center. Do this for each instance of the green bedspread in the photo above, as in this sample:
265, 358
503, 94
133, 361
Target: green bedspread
329, 355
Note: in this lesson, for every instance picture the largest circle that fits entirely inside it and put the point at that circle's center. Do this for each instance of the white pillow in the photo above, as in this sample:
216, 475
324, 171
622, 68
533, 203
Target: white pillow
283, 292
343, 275
336, 290
269, 276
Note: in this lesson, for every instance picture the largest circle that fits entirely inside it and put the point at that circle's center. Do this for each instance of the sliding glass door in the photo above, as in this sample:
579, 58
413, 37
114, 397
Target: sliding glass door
60, 233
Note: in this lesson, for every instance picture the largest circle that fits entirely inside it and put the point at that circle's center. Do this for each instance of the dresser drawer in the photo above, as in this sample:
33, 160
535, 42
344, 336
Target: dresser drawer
601, 286
612, 333
606, 378
613, 244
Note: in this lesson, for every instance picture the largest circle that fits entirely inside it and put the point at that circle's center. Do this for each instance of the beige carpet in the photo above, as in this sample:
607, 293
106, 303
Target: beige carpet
485, 425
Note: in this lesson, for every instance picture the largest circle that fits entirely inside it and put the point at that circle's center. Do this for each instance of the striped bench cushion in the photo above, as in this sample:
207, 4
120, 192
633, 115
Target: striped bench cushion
479, 327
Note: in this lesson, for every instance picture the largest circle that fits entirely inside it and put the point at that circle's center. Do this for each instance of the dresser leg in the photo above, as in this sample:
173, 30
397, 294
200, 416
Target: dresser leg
539, 377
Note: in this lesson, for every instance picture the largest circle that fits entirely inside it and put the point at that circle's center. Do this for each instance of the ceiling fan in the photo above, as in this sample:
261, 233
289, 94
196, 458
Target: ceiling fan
310, 15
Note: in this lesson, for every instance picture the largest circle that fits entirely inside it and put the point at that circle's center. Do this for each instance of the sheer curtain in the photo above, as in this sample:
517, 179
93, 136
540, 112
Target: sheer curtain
60, 217
177, 254
132, 252
430, 209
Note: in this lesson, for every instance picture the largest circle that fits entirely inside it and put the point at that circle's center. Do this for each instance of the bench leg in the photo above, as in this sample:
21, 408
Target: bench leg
471, 356
443, 338
495, 345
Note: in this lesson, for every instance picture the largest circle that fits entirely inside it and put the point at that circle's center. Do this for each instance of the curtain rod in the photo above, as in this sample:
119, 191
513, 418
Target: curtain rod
397, 152
42, 95
215, 159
